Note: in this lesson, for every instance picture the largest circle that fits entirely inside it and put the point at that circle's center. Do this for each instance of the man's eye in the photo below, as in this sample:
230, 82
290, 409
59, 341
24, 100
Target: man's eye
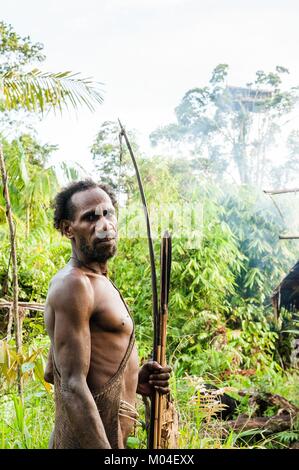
109, 213
91, 217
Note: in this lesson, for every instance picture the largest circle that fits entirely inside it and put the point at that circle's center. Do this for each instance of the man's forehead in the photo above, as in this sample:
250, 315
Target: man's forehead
90, 198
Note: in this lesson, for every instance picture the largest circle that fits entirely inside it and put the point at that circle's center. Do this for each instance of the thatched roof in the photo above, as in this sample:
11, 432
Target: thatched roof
286, 294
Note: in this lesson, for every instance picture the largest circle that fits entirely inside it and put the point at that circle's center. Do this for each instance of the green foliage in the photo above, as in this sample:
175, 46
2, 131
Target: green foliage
39, 257
232, 130
220, 328
256, 226
31, 360
26, 159
28, 425
226, 255
39, 247
113, 164
15, 51
38, 91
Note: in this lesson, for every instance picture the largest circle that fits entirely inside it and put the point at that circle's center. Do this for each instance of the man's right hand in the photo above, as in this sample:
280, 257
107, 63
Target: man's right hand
153, 377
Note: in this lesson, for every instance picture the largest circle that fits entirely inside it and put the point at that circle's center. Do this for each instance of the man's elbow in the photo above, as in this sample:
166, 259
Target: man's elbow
48, 373
49, 377
72, 386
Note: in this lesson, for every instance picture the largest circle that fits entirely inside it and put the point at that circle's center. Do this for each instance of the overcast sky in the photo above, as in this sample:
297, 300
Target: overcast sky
148, 53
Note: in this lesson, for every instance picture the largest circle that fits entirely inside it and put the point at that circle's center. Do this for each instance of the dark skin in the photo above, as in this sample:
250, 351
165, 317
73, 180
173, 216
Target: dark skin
86, 315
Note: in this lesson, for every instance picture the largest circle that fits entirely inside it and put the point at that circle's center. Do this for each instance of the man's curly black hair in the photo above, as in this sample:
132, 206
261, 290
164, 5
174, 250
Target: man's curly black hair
63, 207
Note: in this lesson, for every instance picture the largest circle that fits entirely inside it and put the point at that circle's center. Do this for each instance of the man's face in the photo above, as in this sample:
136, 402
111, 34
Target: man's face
94, 228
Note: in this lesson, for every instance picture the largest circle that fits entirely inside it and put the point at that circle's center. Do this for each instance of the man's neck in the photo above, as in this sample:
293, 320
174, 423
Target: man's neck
95, 266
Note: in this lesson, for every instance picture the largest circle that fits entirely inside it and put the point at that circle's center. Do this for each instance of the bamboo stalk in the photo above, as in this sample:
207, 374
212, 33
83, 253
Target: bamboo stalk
12, 233
282, 191
288, 237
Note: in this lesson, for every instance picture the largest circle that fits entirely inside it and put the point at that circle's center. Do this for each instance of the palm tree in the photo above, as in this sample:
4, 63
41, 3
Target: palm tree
39, 92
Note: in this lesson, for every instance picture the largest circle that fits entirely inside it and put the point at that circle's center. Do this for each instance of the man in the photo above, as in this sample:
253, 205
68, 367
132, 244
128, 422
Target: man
93, 361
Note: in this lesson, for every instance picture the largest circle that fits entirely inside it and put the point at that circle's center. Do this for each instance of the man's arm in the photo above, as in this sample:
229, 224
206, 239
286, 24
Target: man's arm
72, 306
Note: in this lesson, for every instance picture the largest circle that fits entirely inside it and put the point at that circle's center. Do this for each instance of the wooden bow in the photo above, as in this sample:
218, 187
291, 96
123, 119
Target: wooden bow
159, 314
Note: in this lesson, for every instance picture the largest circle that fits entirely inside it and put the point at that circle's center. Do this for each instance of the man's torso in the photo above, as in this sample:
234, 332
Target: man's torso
111, 328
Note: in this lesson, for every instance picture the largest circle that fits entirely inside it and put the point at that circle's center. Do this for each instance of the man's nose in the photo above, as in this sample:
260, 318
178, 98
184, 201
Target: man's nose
102, 224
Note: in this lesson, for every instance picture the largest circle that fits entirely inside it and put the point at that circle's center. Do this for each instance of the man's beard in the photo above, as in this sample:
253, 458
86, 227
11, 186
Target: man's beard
97, 252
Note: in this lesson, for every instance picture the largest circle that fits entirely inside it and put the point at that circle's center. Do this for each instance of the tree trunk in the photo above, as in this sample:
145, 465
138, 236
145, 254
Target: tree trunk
12, 232
240, 157
9, 325
282, 421
274, 424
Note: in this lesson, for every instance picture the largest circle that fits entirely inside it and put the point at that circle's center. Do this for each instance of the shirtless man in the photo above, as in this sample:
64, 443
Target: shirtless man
93, 360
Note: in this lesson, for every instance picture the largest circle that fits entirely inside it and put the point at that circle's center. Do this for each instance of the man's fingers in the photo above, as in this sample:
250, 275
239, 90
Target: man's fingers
154, 365
156, 368
159, 383
160, 376
162, 390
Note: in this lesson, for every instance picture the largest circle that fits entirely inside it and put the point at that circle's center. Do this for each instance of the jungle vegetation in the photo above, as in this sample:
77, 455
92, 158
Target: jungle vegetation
222, 330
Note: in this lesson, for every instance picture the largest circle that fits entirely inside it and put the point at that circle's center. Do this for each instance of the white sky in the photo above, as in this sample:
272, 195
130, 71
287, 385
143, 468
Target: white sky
148, 53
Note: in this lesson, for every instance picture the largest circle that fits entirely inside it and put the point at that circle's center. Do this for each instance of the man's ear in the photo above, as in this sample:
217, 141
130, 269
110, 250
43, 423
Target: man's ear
66, 228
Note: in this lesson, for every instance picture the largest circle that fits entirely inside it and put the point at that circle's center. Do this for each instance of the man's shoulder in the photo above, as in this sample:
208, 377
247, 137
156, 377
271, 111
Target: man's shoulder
68, 275
69, 284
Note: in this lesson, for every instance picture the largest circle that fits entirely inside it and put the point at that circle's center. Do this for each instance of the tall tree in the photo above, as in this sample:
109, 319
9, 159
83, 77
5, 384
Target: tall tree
15, 51
233, 129
113, 163
32, 89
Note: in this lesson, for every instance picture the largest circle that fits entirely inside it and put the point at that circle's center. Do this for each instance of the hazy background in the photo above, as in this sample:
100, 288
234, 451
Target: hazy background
148, 53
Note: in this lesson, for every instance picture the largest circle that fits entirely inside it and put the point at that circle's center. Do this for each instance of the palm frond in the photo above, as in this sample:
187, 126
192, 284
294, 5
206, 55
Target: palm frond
39, 91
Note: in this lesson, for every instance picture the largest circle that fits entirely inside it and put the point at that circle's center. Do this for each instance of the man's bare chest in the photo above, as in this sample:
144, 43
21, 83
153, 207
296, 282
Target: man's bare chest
110, 313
